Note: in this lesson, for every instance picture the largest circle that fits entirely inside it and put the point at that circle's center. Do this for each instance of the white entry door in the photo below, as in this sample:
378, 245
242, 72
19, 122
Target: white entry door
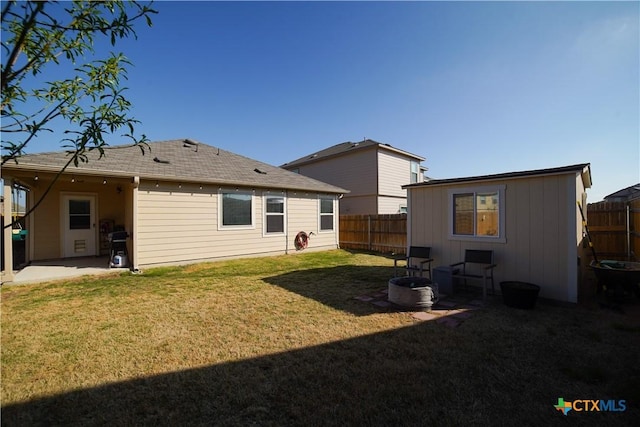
79, 225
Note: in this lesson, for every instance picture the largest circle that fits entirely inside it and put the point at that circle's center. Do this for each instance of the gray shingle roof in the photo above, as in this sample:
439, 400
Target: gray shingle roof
343, 148
178, 160
584, 168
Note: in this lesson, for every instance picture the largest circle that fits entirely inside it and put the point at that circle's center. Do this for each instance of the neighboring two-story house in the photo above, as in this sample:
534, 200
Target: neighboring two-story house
372, 171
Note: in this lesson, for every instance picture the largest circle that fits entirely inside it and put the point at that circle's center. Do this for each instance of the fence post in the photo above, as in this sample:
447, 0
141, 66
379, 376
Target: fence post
369, 231
628, 232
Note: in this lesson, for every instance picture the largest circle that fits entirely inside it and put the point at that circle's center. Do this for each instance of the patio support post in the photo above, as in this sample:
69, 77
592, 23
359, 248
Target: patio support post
134, 224
7, 273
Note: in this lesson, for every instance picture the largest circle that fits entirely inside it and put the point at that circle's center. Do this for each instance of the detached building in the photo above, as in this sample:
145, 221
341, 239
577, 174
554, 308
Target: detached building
529, 219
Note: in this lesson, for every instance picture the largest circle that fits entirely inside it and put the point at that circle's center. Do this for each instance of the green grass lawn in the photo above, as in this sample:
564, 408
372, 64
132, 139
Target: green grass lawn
283, 341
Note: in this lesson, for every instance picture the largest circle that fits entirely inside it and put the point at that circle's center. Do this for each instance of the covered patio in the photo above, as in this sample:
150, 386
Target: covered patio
69, 229
44, 271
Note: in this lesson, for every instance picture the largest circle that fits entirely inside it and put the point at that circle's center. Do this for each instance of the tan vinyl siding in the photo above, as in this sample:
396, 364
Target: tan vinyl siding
374, 177
391, 205
182, 226
355, 172
174, 223
179, 226
303, 216
45, 227
540, 231
393, 172
358, 205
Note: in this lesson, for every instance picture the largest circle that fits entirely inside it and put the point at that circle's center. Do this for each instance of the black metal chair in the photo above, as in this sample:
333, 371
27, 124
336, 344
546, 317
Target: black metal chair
477, 265
412, 265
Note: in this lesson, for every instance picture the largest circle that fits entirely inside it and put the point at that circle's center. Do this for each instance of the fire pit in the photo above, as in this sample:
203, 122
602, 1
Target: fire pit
414, 292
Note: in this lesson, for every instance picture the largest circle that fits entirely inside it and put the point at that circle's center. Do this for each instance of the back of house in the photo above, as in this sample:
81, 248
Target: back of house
181, 201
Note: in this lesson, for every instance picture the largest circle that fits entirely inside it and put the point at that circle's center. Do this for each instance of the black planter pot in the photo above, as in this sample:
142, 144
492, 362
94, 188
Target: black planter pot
519, 294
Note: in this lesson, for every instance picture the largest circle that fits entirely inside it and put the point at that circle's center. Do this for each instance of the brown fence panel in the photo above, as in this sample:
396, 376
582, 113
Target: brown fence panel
354, 232
634, 229
379, 233
611, 227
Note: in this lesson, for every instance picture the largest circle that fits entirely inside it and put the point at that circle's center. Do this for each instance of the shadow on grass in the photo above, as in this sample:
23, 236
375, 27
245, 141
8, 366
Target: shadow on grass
423, 374
336, 287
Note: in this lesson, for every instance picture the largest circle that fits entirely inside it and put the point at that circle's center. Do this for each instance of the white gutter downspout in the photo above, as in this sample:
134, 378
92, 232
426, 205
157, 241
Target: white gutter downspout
286, 231
7, 235
338, 221
134, 223
336, 209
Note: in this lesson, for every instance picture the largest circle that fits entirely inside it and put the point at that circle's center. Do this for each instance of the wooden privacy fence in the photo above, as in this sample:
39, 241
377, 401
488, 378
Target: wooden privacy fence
615, 229
379, 233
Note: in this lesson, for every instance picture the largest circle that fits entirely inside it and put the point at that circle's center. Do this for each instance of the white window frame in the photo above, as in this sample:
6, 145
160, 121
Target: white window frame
333, 213
500, 190
414, 165
221, 194
265, 196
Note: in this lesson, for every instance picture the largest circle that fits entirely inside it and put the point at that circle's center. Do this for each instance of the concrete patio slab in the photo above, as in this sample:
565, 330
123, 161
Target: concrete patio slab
44, 271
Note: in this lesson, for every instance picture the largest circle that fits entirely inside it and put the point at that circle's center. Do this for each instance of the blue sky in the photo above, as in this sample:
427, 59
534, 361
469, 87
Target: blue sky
474, 87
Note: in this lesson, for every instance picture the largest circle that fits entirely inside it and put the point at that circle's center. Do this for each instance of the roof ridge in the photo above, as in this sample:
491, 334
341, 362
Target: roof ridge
184, 160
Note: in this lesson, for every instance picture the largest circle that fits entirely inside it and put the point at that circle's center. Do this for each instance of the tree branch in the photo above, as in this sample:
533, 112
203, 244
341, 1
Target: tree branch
6, 9
13, 57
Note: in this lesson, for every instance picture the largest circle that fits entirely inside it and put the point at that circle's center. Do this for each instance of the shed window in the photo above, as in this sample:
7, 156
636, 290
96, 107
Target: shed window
477, 213
274, 214
237, 209
326, 213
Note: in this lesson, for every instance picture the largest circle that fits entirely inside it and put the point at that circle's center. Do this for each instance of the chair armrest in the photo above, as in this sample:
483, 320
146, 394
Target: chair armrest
489, 267
400, 258
426, 261
457, 263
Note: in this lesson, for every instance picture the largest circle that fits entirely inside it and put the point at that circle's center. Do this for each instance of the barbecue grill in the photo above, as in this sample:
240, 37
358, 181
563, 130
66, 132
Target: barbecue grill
118, 256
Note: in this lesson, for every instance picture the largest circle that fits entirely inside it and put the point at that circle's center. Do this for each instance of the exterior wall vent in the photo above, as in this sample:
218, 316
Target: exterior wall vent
187, 143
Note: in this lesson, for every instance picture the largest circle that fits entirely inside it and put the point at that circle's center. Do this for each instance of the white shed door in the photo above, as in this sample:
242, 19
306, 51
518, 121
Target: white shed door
79, 226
